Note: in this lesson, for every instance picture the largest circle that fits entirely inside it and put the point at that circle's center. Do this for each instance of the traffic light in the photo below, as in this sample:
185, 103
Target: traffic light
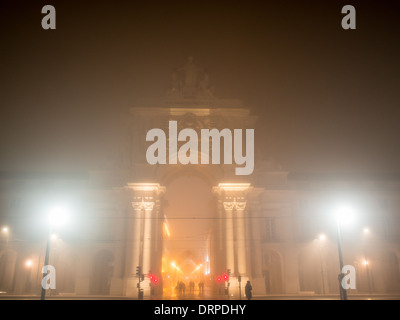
225, 277
138, 270
153, 279
219, 279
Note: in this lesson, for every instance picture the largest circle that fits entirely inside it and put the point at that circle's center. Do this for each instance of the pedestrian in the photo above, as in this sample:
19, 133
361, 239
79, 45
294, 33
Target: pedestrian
248, 289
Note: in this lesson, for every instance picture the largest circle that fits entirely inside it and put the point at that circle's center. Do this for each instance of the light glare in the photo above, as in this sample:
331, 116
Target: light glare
58, 216
345, 215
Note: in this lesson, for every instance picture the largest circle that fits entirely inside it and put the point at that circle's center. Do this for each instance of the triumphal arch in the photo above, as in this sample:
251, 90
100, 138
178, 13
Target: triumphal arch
232, 235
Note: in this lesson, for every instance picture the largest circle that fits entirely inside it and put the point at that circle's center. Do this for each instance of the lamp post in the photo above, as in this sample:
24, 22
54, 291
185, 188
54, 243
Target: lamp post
343, 292
366, 262
28, 265
321, 238
5, 230
343, 214
57, 218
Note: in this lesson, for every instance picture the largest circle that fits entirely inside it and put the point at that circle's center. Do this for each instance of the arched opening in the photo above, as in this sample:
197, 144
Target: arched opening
102, 270
272, 272
187, 235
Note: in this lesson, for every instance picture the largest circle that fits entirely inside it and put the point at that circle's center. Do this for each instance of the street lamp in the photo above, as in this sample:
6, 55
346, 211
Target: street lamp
344, 215
366, 233
321, 238
58, 216
6, 231
28, 263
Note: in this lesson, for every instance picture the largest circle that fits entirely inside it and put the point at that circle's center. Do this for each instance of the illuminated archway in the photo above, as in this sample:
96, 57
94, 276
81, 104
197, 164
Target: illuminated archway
188, 221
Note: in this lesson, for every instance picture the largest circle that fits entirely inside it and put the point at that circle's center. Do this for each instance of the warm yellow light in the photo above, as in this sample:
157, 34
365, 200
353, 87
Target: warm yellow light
234, 186
167, 233
54, 236
5, 229
146, 186
365, 262
322, 237
366, 230
28, 263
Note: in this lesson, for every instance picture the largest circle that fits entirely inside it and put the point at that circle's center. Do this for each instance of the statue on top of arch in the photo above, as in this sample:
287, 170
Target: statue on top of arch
190, 81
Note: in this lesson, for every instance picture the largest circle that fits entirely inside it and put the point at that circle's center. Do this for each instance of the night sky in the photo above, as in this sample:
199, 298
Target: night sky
328, 98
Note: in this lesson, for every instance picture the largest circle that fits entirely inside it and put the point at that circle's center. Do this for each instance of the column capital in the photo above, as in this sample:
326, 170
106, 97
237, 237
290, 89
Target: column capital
234, 204
146, 205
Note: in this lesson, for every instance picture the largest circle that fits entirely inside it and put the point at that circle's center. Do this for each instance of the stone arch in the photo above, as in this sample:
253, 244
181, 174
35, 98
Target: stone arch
102, 270
272, 272
188, 196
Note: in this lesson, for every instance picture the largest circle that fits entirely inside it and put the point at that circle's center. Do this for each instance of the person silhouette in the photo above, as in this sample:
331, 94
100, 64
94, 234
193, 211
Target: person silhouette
248, 289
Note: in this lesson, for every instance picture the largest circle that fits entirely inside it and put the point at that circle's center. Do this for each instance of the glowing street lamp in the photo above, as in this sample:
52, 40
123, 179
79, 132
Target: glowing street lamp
58, 217
365, 262
344, 216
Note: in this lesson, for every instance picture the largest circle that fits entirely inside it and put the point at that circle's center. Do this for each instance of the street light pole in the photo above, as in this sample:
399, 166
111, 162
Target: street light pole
321, 263
343, 292
46, 262
7, 233
57, 217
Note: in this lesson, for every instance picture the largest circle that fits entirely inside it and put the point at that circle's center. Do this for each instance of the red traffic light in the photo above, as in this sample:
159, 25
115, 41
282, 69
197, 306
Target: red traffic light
153, 278
219, 279
225, 276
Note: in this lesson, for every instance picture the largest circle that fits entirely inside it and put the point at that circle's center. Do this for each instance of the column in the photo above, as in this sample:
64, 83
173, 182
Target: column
148, 208
146, 197
241, 238
256, 241
135, 225
229, 245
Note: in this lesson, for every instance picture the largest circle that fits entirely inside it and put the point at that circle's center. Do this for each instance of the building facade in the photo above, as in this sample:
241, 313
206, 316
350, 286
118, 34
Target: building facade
264, 227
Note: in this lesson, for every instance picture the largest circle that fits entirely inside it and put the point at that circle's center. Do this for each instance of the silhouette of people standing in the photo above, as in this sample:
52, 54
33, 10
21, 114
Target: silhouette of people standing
201, 288
248, 289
